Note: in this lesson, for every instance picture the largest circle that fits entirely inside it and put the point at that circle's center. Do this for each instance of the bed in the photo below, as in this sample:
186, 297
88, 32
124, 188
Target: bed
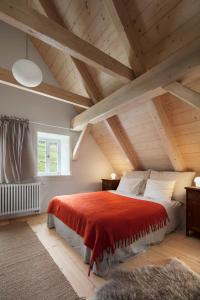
169, 213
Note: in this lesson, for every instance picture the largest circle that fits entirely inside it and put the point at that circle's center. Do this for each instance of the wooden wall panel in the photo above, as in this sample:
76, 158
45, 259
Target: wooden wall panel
145, 14
164, 26
175, 41
175, 13
141, 131
186, 126
110, 148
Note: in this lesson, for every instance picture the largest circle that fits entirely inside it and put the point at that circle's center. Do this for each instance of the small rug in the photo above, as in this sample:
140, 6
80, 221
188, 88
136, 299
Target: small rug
27, 271
174, 281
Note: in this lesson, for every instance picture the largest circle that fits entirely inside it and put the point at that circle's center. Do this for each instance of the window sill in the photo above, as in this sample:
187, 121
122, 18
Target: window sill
52, 177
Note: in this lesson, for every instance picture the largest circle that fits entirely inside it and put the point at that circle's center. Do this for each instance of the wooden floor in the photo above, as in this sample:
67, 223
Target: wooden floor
72, 266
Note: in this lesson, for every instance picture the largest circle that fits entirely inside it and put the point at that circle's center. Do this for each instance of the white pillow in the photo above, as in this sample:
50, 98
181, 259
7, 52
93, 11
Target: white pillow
142, 175
183, 179
129, 185
159, 189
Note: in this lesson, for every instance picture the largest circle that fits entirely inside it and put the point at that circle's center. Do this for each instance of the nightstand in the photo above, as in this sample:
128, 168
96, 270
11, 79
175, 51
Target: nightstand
192, 210
110, 184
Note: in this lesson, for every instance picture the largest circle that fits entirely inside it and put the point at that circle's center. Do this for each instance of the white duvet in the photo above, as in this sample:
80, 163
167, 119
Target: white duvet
173, 211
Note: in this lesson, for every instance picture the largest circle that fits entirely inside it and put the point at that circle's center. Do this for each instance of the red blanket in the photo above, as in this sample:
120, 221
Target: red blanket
106, 220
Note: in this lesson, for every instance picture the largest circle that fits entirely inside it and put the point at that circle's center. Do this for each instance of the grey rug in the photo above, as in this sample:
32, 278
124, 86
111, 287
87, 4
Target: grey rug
174, 281
27, 272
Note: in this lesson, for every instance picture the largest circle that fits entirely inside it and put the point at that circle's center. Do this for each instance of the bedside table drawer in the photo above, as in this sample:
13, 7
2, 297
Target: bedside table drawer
192, 210
193, 195
193, 214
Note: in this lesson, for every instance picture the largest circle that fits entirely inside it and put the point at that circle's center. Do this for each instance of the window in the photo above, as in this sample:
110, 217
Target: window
53, 154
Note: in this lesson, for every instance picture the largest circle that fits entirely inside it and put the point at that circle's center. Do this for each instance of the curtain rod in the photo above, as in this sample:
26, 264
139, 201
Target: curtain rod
48, 125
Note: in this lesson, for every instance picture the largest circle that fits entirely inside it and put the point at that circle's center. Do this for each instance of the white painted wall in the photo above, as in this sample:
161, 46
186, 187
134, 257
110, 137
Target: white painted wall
92, 165
13, 47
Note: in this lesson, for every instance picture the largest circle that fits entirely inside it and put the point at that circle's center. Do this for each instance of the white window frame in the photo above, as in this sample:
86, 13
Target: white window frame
64, 156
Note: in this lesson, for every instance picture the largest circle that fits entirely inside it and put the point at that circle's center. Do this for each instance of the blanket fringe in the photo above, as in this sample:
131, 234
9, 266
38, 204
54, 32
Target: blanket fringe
125, 242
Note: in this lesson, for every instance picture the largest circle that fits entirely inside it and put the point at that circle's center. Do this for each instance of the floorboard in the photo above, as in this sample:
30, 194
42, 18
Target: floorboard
70, 263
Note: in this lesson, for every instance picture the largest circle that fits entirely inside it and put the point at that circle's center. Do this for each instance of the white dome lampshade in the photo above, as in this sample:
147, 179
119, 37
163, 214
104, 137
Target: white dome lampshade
27, 73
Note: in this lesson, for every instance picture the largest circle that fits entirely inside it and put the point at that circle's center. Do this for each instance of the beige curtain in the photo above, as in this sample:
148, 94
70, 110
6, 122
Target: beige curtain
16, 158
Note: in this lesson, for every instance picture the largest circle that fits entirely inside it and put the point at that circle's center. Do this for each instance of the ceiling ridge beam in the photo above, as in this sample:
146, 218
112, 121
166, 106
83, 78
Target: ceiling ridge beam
127, 33
148, 85
46, 90
113, 124
184, 93
165, 132
31, 22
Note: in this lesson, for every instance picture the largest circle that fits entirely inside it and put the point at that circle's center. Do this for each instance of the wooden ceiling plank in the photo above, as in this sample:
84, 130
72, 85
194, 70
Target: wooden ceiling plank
165, 132
183, 93
113, 123
30, 21
148, 85
51, 11
46, 90
127, 33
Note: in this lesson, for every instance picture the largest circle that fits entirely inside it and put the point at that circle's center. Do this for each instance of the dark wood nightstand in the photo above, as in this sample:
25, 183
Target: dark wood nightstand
110, 184
192, 210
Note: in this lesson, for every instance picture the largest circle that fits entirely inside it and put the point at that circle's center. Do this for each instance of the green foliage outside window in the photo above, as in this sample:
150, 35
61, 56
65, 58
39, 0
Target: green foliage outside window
48, 156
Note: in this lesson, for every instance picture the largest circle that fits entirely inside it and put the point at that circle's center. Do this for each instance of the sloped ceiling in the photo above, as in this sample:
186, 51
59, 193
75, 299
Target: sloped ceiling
162, 27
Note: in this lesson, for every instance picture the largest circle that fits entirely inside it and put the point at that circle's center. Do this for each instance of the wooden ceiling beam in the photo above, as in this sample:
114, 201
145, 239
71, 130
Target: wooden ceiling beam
113, 123
88, 81
46, 90
84, 133
122, 139
30, 21
127, 33
51, 12
148, 85
183, 93
165, 132
128, 36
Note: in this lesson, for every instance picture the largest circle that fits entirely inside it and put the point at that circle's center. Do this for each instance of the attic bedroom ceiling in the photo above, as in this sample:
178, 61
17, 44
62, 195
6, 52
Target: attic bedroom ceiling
163, 133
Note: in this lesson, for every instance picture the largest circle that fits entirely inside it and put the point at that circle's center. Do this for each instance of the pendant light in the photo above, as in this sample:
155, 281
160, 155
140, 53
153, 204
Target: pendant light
26, 72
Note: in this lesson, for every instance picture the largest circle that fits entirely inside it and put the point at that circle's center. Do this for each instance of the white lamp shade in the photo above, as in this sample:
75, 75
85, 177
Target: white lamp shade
27, 73
197, 181
113, 176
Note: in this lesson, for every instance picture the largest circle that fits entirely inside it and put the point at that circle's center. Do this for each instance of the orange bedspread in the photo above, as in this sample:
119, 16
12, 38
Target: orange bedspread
106, 220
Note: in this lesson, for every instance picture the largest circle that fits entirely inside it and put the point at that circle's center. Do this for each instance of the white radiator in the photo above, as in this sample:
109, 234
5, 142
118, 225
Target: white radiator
19, 198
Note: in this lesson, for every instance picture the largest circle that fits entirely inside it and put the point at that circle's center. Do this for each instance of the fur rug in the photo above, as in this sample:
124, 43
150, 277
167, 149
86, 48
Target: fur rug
174, 281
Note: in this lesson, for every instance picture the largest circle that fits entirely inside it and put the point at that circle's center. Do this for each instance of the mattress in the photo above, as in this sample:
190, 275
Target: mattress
121, 254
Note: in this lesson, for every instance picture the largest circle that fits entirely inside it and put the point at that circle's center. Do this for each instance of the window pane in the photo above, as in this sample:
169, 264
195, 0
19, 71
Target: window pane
41, 156
53, 157
53, 154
